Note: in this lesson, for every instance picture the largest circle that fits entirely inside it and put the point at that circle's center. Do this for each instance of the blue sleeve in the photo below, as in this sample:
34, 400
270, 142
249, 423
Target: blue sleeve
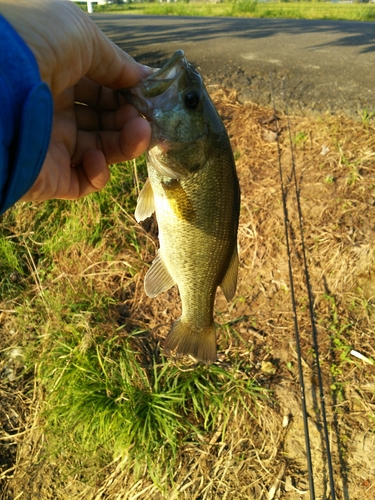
26, 111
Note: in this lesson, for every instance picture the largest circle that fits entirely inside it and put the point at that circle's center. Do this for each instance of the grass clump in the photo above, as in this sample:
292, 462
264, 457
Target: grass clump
109, 402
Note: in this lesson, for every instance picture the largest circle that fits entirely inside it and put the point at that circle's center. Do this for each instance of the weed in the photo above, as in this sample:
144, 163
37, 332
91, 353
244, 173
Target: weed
237, 154
111, 402
329, 179
352, 166
244, 6
363, 304
300, 138
353, 175
366, 116
340, 349
12, 266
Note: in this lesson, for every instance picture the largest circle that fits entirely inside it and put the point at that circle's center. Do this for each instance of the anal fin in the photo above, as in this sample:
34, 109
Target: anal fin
157, 278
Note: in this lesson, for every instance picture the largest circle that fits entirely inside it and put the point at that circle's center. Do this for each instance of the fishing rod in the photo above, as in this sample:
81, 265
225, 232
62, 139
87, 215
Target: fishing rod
311, 310
314, 332
294, 308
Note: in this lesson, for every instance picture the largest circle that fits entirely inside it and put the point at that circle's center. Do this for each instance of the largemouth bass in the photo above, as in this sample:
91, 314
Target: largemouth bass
193, 188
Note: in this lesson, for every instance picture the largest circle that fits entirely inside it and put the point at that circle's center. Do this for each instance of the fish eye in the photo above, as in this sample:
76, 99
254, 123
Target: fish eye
192, 99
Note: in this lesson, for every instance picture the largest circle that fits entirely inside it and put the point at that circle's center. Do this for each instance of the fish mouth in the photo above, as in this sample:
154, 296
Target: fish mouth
157, 87
159, 82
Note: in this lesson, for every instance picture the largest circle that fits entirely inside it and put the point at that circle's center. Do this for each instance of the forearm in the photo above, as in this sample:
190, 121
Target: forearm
26, 110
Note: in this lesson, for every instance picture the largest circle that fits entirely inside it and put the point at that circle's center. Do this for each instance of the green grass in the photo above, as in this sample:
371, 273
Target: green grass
104, 393
112, 403
250, 8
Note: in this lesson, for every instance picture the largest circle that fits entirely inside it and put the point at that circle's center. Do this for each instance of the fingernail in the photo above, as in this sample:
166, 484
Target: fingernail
147, 69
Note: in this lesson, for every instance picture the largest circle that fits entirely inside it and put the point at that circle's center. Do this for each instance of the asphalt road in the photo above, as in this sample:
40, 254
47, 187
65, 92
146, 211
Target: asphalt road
318, 65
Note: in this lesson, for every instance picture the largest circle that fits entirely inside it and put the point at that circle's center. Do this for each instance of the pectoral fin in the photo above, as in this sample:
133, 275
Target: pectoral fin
145, 205
158, 279
229, 283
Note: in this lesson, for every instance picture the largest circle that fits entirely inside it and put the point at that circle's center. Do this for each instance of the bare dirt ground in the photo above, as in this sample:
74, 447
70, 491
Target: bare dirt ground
297, 90
263, 458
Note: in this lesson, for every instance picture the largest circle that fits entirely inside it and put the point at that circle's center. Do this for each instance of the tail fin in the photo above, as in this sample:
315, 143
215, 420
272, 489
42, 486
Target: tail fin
184, 340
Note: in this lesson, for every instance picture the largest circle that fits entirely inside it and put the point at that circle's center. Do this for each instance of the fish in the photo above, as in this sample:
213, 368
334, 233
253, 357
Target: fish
193, 189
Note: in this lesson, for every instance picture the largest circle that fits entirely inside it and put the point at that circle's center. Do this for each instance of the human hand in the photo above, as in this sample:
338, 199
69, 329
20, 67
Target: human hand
80, 65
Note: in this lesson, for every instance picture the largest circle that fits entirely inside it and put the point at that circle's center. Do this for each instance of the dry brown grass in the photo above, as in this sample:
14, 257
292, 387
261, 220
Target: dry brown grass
335, 167
263, 457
